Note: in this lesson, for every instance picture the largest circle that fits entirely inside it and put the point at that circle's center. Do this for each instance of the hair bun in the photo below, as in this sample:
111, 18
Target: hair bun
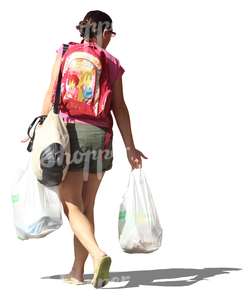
81, 27
87, 28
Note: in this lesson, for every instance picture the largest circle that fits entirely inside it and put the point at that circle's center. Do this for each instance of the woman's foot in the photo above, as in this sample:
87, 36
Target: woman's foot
101, 271
75, 278
97, 259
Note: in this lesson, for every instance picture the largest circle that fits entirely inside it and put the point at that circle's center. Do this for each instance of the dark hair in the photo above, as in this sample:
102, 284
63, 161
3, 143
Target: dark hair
94, 23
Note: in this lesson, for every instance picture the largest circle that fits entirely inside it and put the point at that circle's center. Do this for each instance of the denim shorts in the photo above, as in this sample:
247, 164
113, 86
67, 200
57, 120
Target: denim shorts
90, 148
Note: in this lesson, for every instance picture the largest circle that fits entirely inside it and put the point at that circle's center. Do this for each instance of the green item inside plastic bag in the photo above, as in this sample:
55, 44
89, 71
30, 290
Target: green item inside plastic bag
15, 198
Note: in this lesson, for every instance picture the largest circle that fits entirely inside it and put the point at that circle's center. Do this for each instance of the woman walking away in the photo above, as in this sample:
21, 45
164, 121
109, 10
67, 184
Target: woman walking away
86, 111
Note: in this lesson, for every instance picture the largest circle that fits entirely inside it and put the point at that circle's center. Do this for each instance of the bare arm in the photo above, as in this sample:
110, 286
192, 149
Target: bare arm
47, 104
121, 114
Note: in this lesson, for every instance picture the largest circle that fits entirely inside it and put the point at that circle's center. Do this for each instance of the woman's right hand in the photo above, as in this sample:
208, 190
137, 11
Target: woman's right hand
134, 157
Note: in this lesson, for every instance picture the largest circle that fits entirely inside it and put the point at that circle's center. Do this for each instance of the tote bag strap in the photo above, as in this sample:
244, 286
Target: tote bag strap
37, 121
58, 86
40, 119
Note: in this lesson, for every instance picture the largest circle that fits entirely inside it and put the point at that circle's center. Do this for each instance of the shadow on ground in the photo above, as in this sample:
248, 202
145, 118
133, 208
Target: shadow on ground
158, 277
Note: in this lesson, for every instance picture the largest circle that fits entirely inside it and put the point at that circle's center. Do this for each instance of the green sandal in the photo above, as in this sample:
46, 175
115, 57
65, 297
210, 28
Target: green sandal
101, 274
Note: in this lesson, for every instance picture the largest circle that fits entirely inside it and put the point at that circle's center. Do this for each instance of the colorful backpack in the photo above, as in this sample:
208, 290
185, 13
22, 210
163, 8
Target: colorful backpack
85, 88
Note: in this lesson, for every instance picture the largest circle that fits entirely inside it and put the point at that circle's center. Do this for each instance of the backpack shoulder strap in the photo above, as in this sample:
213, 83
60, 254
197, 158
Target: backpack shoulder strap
65, 47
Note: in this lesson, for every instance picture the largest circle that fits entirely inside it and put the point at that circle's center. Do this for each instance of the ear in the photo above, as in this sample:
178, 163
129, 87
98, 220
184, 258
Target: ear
105, 34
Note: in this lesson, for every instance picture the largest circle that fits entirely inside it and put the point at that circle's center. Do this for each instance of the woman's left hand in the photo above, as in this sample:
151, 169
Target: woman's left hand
28, 138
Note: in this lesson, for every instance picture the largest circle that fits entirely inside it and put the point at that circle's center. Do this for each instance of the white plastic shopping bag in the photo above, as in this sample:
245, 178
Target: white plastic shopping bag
37, 210
138, 227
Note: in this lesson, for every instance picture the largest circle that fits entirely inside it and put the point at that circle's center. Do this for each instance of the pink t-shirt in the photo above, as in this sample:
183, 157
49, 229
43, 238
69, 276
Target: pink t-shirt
115, 71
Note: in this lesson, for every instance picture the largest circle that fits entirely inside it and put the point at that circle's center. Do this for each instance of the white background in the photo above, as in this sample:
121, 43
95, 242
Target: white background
186, 86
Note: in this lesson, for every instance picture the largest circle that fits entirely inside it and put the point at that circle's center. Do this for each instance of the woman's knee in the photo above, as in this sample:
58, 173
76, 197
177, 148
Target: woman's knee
70, 192
71, 206
71, 185
70, 200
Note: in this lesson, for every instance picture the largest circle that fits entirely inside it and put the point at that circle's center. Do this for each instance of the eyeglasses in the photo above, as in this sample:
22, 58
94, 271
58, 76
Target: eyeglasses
112, 32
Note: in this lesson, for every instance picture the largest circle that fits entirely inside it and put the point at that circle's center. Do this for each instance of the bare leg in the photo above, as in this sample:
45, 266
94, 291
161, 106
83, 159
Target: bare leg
70, 192
81, 254
89, 191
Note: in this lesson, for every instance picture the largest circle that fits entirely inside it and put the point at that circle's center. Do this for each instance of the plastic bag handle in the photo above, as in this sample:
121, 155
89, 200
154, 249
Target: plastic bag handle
129, 179
141, 172
131, 172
